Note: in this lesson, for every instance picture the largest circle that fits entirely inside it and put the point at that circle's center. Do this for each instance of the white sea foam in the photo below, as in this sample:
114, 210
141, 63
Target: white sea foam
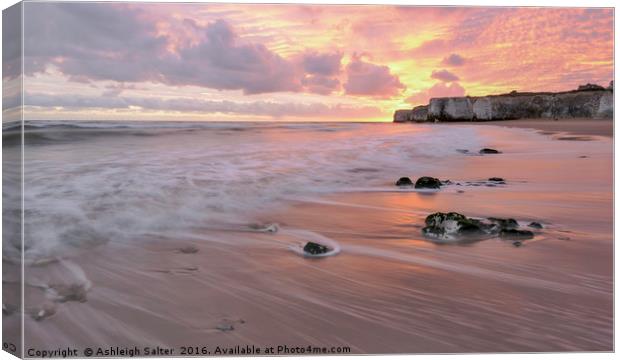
111, 184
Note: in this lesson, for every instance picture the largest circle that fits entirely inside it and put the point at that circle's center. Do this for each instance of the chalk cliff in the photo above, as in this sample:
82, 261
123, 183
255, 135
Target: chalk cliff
589, 101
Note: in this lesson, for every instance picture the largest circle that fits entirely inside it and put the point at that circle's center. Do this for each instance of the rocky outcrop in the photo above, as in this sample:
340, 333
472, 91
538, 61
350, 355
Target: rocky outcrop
450, 109
588, 101
402, 116
419, 113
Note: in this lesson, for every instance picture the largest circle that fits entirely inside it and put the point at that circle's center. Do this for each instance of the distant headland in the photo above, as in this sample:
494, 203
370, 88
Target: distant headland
587, 101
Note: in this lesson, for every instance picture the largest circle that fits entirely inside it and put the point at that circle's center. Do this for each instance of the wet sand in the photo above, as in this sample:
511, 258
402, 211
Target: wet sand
389, 290
600, 127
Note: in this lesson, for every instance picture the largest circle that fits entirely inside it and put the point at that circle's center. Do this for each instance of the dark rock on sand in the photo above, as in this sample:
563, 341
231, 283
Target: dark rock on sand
452, 226
315, 249
535, 225
496, 179
517, 243
448, 226
427, 182
404, 181
514, 234
190, 249
489, 151
504, 223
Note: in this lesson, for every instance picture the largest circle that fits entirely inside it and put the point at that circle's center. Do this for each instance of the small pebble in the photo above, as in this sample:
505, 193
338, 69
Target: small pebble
188, 250
225, 327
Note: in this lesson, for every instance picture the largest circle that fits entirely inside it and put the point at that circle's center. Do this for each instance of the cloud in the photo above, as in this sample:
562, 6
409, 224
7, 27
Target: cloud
191, 105
94, 42
453, 60
11, 41
364, 78
440, 89
431, 48
327, 64
444, 75
318, 84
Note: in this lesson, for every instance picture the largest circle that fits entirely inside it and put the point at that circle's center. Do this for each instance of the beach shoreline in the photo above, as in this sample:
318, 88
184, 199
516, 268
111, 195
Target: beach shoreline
597, 127
390, 289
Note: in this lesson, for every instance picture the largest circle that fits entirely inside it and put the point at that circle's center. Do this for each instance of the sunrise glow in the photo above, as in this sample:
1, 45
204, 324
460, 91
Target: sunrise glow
293, 62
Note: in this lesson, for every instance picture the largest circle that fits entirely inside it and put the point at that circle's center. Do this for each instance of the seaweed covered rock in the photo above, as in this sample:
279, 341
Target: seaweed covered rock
452, 226
455, 227
404, 181
427, 182
504, 223
515, 234
489, 151
315, 249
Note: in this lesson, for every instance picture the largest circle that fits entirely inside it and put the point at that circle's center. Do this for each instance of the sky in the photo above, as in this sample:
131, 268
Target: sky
221, 62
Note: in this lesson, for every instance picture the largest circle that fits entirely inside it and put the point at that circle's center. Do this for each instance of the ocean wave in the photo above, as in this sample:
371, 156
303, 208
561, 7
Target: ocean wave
82, 191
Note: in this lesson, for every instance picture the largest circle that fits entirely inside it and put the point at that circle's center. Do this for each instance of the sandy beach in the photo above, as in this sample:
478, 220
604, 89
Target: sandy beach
389, 289
600, 127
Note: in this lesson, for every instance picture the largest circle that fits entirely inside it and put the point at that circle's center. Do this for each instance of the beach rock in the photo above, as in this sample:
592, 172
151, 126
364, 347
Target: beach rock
535, 225
225, 325
497, 179
190, 249
315, 249
401, 116
504, 223
404, 181
514, 234
517, 243
452, 226
427, 182
489, 151
419, 113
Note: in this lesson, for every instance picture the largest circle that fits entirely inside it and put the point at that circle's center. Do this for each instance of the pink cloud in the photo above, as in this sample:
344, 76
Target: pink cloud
364, 78
444, 75
453, 60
